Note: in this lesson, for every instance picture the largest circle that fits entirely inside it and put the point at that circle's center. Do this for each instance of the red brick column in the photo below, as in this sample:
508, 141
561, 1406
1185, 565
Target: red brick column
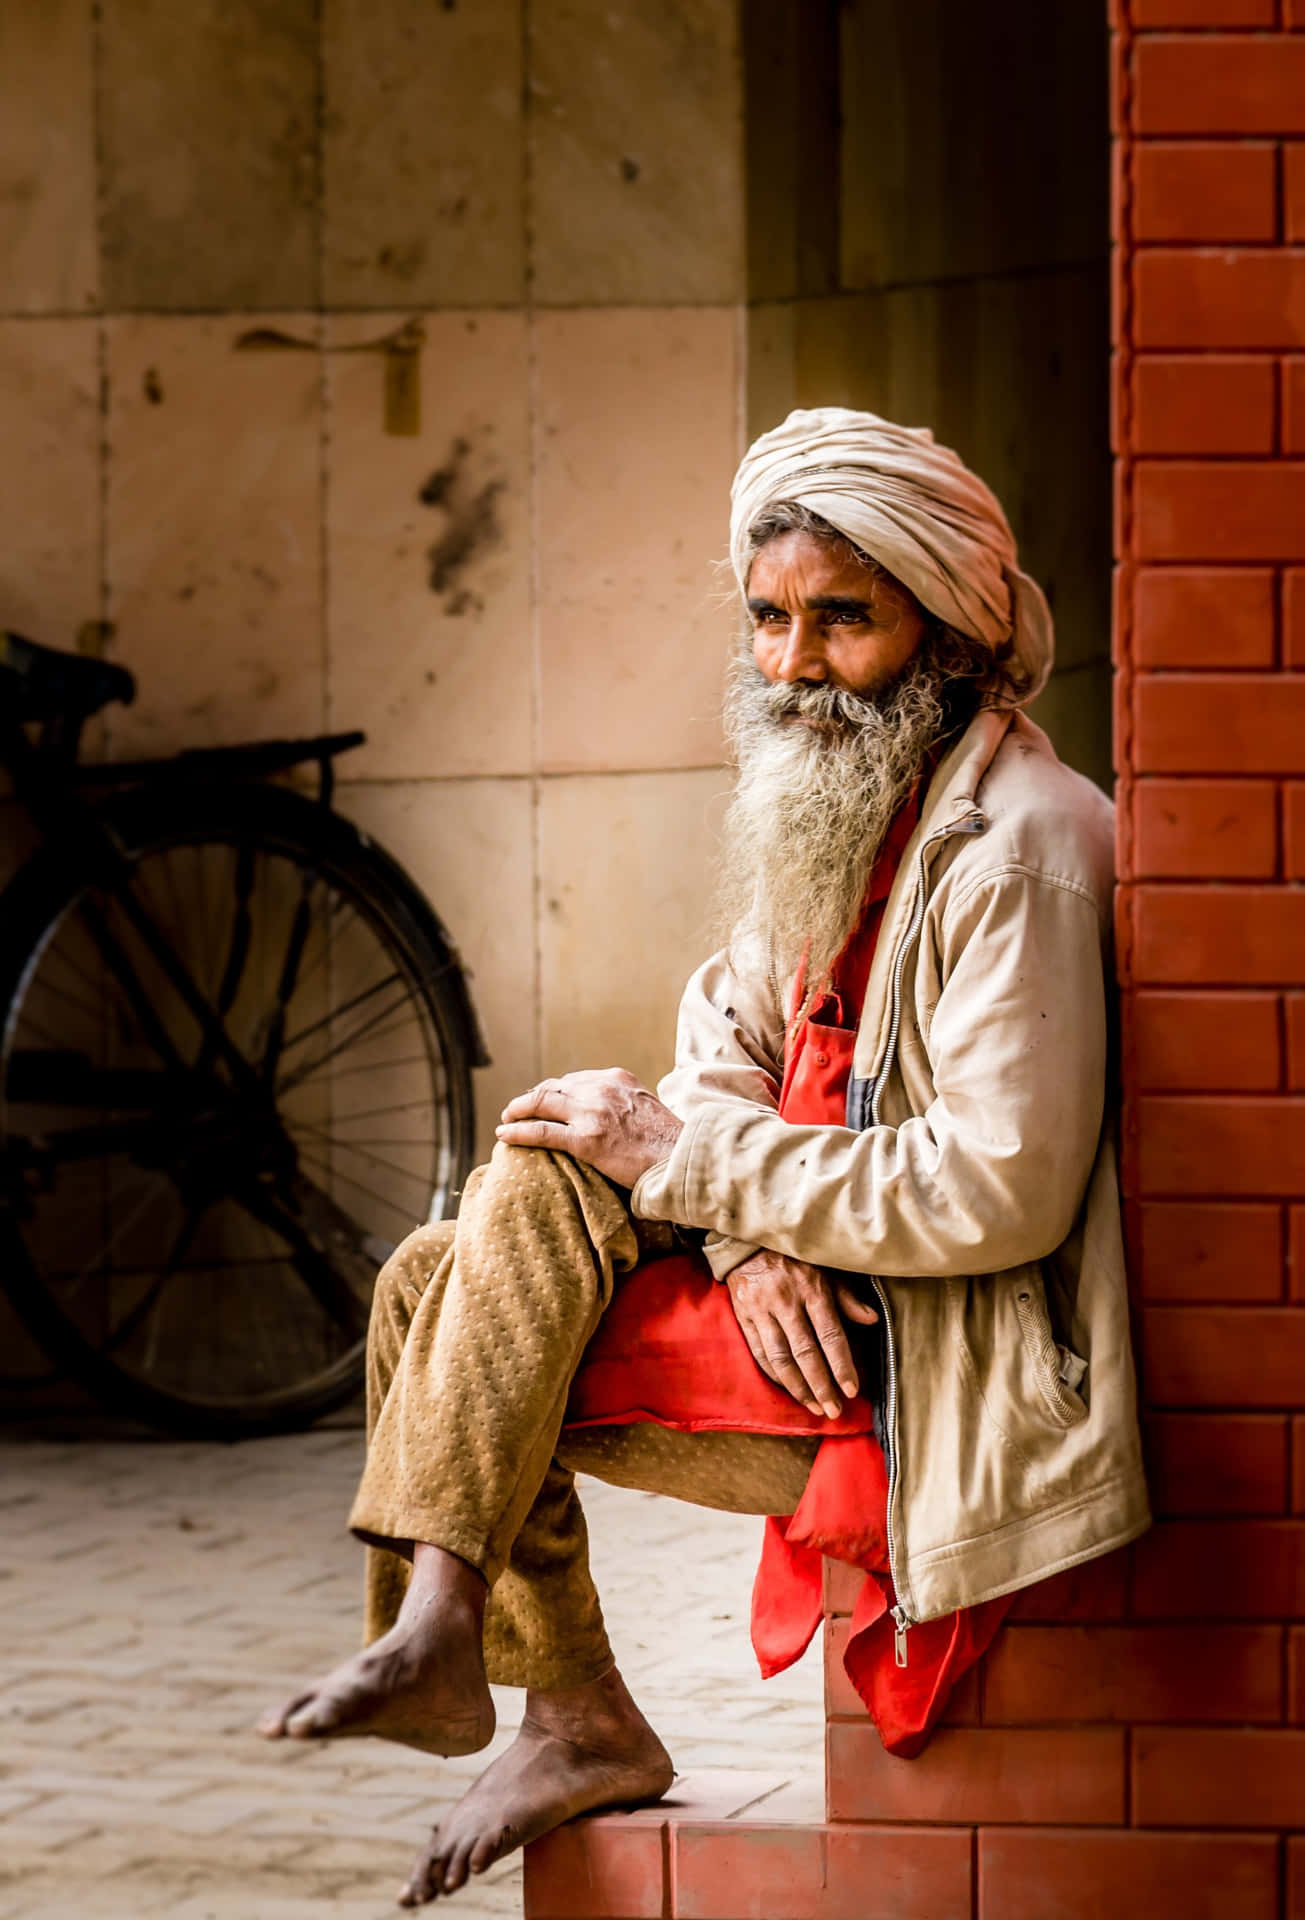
1209, 105
1135, 1743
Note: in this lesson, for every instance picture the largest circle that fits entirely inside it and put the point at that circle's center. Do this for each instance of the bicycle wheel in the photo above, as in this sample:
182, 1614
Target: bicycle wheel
229, 1084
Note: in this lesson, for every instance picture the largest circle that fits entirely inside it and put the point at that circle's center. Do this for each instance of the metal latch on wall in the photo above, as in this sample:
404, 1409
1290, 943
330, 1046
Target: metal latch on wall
401, 351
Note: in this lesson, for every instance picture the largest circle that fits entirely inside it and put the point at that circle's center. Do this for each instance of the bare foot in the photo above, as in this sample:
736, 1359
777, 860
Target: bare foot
422, 1684
577, 1750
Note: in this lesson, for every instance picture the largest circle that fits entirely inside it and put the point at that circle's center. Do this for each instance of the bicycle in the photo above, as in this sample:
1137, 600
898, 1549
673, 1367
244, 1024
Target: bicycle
235, 1065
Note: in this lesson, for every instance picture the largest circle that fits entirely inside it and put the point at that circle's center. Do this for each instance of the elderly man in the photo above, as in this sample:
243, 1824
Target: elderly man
886, 1136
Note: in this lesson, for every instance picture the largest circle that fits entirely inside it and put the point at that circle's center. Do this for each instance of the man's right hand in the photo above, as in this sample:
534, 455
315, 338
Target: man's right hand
792, 1319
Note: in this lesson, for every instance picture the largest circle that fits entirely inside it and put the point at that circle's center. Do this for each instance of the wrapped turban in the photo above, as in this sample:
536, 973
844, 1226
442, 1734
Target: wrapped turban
913, 506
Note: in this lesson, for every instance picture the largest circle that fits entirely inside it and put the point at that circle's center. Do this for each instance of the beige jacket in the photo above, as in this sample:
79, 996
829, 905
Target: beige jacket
974, 1185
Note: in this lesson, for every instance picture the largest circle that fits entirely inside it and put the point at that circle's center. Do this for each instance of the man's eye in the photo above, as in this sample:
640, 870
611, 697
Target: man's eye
772, 617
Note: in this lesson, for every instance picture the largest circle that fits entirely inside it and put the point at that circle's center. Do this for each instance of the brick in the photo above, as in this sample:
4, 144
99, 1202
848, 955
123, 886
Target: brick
1205, 191
1219, 723
1296, 1675
1293, 182
1236, 1145
1220, 509
1220, 1777
843, 1701
752, 1872
1096, 1590
1293, 617
1204, 13
1205, 829
1069, 1776
1058, 1674
1217, 404
1296, 1252
842, 1584
1223, 1356
1205, 1042
1204, 617
1199, 1250
1054, 1874
1225, 83
1298, 1464
1295, 1008
1220, 1570
602, 1869
1219, 936
1295, 1906
1293, 406
1191, 297
1216, 1463
1293, 832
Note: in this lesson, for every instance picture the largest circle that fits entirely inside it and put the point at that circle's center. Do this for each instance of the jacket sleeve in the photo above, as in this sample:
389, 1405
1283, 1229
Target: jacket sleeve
729, 1048
993, 1173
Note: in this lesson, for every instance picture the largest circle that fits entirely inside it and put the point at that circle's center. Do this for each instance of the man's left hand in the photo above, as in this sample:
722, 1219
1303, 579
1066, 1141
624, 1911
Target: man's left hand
604, 1118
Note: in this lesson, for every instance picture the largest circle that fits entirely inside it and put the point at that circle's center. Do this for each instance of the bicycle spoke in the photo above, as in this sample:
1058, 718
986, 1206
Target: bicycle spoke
338, 1013
359, 1186
349, 1146
335, 1297
376, 1025
181, 1246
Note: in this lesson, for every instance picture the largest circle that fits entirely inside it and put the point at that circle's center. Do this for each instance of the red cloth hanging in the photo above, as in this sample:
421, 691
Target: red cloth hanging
670, 1350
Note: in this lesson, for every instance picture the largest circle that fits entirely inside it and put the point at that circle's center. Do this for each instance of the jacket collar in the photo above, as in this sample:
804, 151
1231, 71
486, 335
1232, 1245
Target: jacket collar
954, 786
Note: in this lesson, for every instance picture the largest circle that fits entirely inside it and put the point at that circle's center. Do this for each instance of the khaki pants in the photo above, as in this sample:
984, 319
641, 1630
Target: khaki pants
477, 1329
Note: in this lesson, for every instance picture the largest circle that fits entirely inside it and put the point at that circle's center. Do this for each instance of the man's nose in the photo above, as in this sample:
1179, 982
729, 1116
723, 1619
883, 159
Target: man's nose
802, 656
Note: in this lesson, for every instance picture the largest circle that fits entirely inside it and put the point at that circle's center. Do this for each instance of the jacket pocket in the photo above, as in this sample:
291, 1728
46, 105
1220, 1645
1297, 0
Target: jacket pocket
1055, 1371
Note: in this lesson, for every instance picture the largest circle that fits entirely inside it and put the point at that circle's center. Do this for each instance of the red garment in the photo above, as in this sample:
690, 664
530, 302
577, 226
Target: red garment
670, 1350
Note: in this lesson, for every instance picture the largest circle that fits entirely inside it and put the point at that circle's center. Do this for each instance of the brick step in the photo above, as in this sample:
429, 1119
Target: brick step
684, 1860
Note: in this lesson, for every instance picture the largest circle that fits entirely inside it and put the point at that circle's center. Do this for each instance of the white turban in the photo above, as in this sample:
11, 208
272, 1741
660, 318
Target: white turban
913, 506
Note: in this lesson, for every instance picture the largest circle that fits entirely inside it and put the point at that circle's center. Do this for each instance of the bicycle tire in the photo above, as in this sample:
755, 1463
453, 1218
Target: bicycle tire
45, 902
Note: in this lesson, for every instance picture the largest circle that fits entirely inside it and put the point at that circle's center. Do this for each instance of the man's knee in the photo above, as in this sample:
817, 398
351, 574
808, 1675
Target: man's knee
410, 1269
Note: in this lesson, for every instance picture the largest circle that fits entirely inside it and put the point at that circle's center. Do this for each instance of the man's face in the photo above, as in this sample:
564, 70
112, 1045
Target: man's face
820, 617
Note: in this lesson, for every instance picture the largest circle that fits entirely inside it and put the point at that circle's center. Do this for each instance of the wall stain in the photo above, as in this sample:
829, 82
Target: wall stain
473, 527
152, 386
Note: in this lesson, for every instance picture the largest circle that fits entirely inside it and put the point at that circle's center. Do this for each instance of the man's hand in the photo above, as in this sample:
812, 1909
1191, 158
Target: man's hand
605, 1118
792, 1319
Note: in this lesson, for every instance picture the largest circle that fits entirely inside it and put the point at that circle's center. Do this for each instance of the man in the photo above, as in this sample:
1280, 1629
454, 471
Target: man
886, 1133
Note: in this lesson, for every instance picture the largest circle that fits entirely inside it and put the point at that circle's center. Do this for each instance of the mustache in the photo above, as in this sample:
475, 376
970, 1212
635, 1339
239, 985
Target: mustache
833, 709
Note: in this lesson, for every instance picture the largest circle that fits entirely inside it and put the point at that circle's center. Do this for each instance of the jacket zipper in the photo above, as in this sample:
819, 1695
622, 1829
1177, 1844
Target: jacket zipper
973, 823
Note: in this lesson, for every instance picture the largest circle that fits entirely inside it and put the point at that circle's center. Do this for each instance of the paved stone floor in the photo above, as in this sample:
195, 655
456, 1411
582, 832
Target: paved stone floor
155, 1596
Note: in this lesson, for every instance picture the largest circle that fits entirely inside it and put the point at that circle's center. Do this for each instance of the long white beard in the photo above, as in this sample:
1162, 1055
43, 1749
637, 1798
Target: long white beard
811, 807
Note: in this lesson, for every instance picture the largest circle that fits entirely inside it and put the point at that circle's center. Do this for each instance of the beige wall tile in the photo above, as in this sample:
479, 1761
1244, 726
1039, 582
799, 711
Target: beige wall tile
209, 137
49, 478
47, 157
625, 913
429, 612
638, 438
469, 845
637, 152
422, 153
214, 531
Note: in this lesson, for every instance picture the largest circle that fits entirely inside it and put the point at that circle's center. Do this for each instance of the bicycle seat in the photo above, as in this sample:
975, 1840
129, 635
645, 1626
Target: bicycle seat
42, 682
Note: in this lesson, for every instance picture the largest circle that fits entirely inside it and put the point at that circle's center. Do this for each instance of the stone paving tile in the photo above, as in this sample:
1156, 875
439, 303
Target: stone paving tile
156, 1597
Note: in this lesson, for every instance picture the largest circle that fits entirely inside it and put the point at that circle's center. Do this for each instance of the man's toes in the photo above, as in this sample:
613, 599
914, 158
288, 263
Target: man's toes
489, 1848
422, 1883
275, 1721
456, 1869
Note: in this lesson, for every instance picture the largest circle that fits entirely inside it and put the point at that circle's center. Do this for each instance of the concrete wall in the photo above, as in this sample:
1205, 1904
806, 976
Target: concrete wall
518, 601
